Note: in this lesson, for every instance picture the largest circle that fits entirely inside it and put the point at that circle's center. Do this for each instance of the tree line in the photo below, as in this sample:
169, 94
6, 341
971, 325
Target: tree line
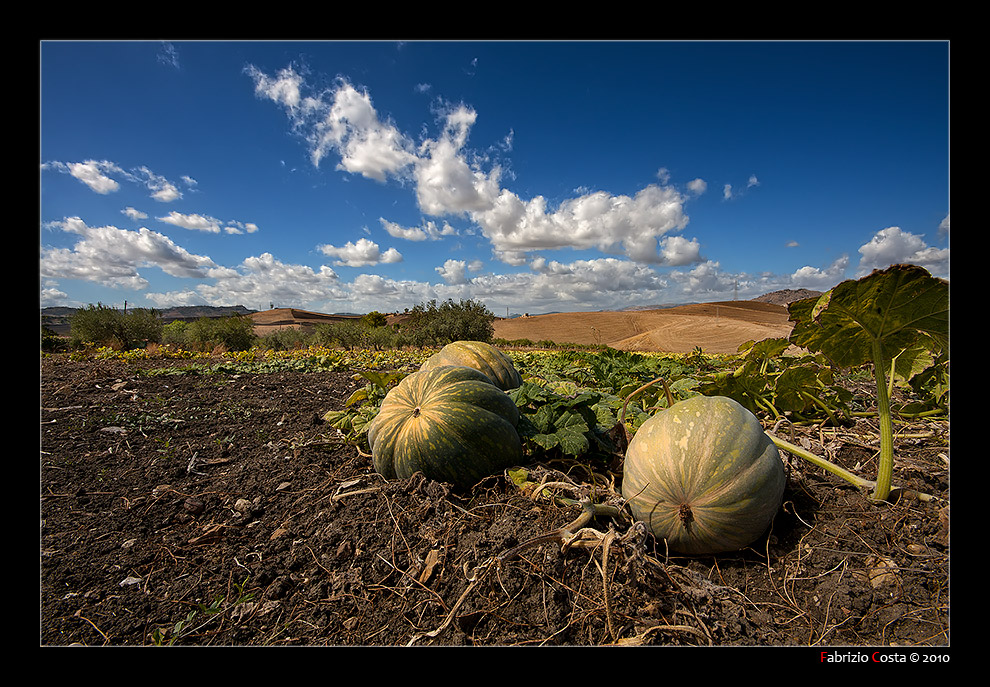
430, 323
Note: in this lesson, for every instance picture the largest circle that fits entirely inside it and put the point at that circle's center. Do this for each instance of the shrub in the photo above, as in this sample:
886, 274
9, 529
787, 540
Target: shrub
50, 341
433, 324
176, 334
234, 333
286, 339
351, 335
103, 325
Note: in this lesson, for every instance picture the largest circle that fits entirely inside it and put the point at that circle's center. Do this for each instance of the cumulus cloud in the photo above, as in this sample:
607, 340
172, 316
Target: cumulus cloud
453, 271
261, 280
429, 230
101, 176
819, 279
705, 279
210, 225
360, 253
600, 220
234, 227
341, 120
679, 251
446, 183
112, 257
134, 214
449, 180
193, 222
697, 186
94, 173
893, 245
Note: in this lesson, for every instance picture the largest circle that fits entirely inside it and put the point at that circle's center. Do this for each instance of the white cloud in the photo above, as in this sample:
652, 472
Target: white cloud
93, 173
234, 227
97, 175
450, 181
677, 251
428, 231
445, 181
697, 186
134, 214
818, 279
112, 257
162, 190
893, 246
261, 280
453, 271
706, 280
595, 220
361, 253
193, 222
341, 120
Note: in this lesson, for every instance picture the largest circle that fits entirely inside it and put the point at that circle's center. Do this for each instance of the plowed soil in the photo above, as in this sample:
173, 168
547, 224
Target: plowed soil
220, 510
717, 328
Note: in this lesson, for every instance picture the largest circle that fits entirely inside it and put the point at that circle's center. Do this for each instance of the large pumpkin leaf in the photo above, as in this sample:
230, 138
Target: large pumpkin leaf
890, 307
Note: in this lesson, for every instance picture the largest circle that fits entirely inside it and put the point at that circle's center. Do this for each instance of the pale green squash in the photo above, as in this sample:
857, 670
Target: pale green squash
704, 476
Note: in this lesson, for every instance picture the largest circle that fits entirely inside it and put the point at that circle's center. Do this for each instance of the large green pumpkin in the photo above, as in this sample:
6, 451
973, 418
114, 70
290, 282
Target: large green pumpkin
481, 356
450, 423
704, 475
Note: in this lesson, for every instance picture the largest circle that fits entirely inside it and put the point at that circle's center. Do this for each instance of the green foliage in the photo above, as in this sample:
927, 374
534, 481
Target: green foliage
234, 333
51, 342
374, 319
102, 325
362, 405
575, 424
176, 333
438, 324
287, 339
358, 335
890, 314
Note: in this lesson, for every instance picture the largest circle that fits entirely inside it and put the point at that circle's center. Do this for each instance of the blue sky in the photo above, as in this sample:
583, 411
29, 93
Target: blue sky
530, 176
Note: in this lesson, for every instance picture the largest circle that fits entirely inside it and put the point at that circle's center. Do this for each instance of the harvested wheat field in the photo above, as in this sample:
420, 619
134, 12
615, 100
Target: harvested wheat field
714, 327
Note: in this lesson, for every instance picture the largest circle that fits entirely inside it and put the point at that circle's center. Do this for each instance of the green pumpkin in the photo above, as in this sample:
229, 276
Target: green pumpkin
481, 356
704, 475
450, 423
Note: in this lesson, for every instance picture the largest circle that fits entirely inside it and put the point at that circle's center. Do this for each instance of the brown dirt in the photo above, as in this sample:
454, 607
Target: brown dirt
714, 327
220, 510
268, 321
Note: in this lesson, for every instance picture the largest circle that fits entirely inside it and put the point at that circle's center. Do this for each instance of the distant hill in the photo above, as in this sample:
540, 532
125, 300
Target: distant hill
787, 296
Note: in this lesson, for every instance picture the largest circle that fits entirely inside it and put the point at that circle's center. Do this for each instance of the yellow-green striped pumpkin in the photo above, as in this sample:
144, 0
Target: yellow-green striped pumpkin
481, 356
450, 423
703, 475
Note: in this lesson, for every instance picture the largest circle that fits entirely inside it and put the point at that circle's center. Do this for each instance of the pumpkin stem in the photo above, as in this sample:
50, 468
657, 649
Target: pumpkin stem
622, 413
685, 514
416, 411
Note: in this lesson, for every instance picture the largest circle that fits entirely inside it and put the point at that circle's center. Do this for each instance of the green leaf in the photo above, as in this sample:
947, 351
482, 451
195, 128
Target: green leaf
890, 307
